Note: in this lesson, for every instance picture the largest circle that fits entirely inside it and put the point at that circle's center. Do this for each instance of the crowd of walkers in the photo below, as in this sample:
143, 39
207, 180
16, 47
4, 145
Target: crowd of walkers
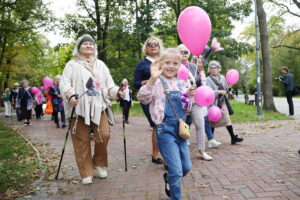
83, 94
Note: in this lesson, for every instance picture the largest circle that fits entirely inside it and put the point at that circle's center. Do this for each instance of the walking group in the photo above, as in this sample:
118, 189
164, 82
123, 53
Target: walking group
84, 91
160, 94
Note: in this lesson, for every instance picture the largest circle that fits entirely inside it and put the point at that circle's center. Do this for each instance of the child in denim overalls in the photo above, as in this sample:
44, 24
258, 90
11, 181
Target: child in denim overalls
173, 148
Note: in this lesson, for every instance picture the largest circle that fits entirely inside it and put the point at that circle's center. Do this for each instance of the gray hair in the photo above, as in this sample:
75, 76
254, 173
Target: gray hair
24, 81
76, 51
214, 63
182, 46
161, 46
58, 77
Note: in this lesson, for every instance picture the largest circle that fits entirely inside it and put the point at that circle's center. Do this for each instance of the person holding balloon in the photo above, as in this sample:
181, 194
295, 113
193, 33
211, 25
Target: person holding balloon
57, 103
38, 102
212, 143
220, 86
25, 99
163, 92
196, 111
152, 49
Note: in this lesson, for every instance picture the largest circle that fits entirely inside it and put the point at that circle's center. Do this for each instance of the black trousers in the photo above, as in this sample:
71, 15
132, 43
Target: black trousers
38, 110
126, 107
289, 98
62, 116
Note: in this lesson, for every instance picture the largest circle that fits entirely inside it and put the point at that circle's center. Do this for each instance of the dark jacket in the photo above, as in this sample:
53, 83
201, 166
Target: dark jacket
24, 95
288, 82
142, 72
56, 101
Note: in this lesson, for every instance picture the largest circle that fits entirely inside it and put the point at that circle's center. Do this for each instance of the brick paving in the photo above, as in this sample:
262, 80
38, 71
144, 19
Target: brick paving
265, 166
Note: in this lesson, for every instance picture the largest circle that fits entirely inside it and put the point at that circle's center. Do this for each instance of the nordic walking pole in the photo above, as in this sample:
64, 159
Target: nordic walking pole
66, 139
124, 137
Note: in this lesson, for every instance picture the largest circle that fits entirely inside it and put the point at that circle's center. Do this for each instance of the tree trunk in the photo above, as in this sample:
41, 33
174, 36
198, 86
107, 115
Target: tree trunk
267, 67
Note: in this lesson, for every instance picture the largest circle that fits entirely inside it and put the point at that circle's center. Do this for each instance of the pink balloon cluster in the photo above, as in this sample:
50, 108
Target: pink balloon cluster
204, 96
194, 29
183, 73
214, 113
232, 76
47, 83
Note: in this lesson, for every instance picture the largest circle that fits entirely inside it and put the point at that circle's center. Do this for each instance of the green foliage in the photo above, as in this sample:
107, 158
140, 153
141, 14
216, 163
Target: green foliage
17, 161
21, 48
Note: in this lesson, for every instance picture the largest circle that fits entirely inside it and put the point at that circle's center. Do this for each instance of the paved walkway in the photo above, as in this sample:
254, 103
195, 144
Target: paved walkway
265, 166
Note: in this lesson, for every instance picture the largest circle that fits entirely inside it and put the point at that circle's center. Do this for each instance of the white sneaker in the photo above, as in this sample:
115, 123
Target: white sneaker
205, 156
213, 144
188, 142
100, 172
87, 180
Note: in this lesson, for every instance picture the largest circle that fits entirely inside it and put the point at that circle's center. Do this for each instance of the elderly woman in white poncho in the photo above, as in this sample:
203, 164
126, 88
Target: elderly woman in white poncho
90, 108
219, 84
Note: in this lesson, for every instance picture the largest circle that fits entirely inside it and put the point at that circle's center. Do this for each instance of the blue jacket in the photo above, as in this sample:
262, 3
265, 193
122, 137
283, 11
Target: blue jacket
142, 72
287, 81
24, 96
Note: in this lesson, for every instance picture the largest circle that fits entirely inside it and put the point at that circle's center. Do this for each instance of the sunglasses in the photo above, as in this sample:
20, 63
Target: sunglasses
152, 44
184, 52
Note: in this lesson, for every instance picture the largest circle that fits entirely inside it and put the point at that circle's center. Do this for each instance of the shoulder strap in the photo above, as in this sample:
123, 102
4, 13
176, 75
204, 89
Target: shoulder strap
167, 95
214, 80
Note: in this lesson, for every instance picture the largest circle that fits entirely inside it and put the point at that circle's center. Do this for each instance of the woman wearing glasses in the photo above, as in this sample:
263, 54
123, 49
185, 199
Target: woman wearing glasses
151, 49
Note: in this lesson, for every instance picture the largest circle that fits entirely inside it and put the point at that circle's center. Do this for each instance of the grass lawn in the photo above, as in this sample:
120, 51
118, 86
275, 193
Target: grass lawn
18, 165
242, 112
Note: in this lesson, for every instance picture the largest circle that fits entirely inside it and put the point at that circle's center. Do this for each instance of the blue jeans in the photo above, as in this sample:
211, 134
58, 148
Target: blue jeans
208, 131
176, 153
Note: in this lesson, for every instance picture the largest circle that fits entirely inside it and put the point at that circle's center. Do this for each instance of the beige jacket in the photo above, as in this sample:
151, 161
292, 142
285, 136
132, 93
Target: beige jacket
74, 78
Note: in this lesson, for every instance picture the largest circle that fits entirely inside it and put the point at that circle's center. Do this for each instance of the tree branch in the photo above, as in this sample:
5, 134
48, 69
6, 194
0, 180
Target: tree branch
89, 13
289, 47
287, 8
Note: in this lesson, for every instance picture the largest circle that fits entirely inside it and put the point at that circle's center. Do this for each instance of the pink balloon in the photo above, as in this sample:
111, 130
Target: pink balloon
194, 29
34, 90
204, 96
183, 73
44, 87
48, 82
232, 76
214, 113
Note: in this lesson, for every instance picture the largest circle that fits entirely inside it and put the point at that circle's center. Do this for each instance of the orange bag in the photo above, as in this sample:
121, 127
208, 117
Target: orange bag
49, 108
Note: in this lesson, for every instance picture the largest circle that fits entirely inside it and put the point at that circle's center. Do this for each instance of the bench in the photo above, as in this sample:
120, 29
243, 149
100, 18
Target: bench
251, 102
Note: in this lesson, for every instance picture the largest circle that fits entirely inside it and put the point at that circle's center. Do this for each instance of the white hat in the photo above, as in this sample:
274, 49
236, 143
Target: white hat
16, 84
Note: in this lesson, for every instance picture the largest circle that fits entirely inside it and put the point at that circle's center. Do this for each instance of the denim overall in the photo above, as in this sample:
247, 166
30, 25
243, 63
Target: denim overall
174, 149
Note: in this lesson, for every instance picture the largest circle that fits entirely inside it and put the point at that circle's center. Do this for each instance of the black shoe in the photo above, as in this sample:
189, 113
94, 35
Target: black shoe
167, 188
236, 139
64, 126
157, 161
57, 125
299, 151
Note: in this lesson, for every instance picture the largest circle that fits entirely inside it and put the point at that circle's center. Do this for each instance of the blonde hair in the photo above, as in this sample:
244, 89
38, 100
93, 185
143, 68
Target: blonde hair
169, 51
6, 90
160, 43
124, 80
